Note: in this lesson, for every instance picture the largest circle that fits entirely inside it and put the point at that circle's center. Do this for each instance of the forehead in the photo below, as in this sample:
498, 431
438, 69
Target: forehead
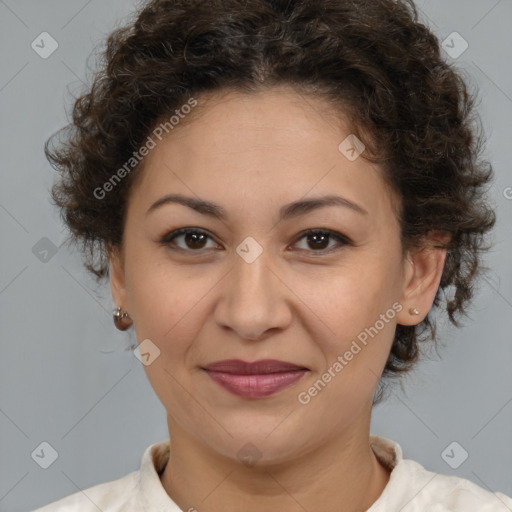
280, 112
261, 148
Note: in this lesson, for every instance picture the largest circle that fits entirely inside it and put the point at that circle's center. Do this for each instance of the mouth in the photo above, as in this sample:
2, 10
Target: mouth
254, 380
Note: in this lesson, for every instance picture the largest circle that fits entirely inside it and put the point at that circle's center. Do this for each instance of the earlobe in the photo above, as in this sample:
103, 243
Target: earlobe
422, 275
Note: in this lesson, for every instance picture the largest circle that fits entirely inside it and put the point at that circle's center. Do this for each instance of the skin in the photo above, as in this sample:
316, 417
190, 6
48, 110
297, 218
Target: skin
252, 154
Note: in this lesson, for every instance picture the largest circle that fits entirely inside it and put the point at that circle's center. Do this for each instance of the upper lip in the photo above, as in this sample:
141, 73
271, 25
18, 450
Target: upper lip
263, 366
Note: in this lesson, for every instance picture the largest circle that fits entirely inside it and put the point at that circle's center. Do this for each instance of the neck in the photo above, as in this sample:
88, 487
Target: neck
344, 471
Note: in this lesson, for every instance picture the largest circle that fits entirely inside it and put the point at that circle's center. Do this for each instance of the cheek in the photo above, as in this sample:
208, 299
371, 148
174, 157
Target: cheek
170, 313
353, 337
348, 299
168, 303
163, 307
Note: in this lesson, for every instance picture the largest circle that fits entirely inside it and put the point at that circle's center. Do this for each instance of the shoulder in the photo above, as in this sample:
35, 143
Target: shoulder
412, 488
138, 490
115, 495
437, 492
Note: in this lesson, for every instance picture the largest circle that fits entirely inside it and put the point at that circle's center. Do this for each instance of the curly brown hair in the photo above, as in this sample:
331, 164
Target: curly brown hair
374, 61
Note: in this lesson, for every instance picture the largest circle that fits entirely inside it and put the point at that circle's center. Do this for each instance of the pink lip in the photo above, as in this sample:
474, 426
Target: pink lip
254, 380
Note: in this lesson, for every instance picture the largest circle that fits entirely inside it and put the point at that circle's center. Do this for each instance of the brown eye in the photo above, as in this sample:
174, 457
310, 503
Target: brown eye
193, 239
317, 240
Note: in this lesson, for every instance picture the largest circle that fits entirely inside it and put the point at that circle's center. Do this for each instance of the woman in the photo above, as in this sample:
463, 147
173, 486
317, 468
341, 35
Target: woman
279, 192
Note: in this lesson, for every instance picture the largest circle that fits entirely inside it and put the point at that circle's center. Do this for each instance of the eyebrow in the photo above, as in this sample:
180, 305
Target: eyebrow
286, 212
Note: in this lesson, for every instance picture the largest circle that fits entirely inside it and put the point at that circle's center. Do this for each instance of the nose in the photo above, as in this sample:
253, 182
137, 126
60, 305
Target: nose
255, 301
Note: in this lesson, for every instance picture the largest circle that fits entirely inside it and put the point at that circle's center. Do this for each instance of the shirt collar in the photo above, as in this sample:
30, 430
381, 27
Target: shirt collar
153, 496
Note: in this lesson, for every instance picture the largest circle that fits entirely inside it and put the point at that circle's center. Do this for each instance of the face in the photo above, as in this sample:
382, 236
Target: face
257, 284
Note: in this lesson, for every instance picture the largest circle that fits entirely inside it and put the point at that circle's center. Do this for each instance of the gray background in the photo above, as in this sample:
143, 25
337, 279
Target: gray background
65, 377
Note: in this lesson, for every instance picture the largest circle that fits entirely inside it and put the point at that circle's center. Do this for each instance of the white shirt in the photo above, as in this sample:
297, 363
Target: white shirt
411, 488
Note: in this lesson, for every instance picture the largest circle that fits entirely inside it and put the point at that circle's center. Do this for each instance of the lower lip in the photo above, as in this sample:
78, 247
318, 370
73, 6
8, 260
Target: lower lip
256, 386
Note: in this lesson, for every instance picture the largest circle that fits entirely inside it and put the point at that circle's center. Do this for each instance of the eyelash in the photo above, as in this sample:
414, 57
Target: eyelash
171, 236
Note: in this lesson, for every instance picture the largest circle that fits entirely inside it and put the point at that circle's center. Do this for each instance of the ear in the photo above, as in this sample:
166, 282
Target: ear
117, 277
423, 269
